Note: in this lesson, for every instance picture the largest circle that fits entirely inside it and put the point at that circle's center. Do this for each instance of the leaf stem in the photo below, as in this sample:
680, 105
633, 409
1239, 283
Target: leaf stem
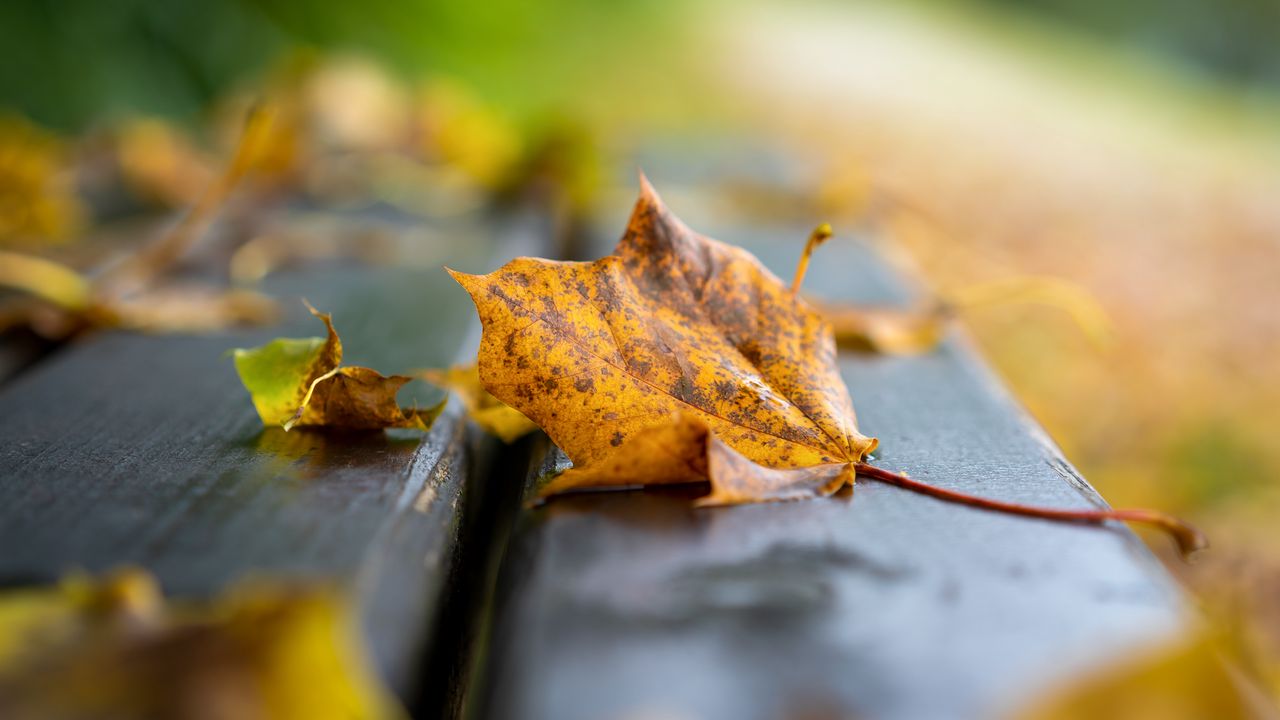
819, 235
306, 400
1189, 539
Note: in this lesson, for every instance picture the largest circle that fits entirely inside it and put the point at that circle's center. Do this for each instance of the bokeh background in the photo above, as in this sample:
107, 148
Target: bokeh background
1129, 149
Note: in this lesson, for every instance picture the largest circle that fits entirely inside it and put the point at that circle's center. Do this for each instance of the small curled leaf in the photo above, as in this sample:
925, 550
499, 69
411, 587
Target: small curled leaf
301, 382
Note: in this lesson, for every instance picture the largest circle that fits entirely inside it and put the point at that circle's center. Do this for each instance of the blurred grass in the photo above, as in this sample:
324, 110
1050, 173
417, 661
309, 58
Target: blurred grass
84, 62
77, 62
1142, 83
1230, 39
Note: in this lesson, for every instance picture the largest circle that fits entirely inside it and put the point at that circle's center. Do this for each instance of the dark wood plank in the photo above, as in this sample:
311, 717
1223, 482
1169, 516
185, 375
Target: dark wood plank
873, 604
128, 449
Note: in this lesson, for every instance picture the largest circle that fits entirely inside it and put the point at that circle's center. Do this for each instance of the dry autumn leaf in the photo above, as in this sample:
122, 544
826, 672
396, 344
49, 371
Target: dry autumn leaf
885, 330
671, 322
491, 414
38, 203
190, 308
300, 382
60, 300
679, 358
905, 331
160, 163
1186, 679
115, 648
685, 450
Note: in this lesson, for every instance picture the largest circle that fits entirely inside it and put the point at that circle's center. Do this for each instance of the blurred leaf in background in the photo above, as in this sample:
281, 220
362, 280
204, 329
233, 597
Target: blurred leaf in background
116, 648
1188, 679
38, 203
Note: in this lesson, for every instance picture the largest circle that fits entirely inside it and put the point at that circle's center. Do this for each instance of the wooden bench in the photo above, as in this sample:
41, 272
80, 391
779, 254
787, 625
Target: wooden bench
875, 604
128, 449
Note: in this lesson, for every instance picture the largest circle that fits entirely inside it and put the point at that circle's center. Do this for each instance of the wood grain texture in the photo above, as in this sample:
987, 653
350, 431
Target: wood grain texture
129, 449
874, 604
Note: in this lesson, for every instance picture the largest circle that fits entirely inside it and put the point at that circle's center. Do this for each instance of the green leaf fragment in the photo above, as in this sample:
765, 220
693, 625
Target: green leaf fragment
275, 375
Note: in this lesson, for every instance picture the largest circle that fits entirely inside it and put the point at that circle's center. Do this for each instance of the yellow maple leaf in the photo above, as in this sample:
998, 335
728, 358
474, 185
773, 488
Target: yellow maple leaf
673, 323
680, 358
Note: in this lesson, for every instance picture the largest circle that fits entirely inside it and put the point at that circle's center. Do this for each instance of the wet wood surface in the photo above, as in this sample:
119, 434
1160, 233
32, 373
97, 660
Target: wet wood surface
876, 603
125, 449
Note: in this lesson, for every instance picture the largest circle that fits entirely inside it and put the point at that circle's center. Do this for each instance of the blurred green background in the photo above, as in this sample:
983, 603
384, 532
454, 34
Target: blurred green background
74, 62
80, 61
